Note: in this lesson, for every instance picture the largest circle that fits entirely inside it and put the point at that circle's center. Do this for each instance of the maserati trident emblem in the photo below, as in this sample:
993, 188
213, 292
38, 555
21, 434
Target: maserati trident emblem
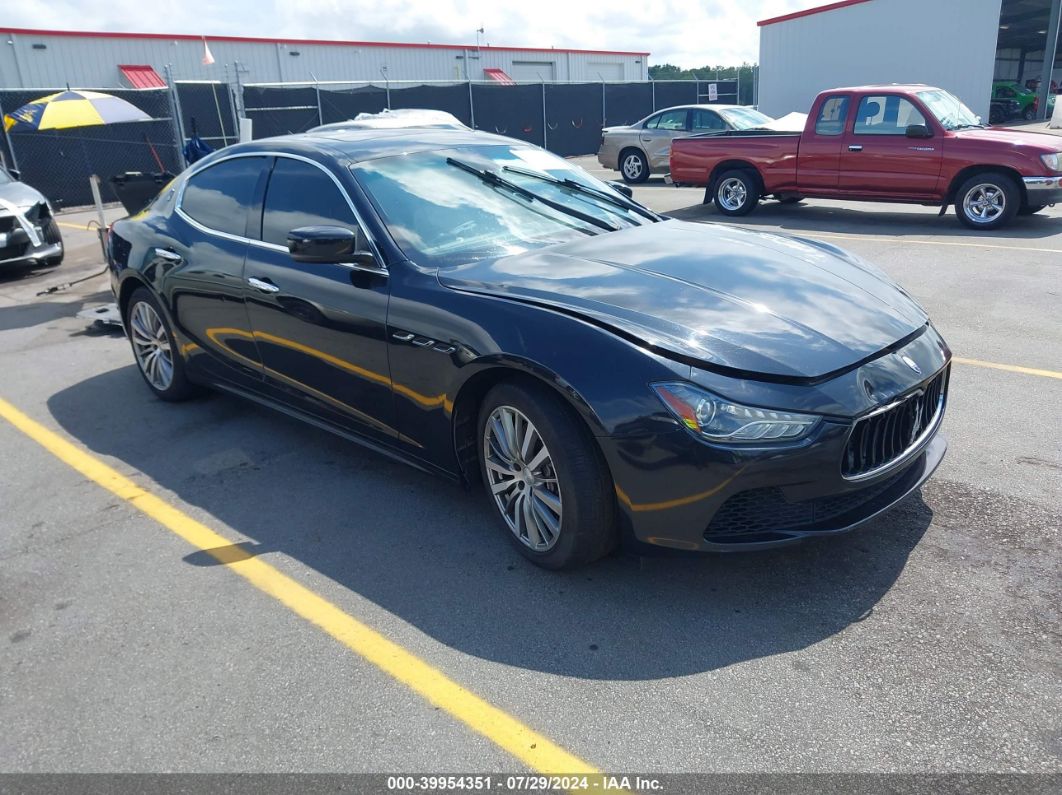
911, 363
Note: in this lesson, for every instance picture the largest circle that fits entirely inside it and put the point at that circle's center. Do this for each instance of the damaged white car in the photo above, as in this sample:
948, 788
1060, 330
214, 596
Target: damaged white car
29, 234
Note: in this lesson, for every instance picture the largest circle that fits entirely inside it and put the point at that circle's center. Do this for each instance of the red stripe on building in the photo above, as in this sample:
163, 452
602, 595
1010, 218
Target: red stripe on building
809, 11
93, 34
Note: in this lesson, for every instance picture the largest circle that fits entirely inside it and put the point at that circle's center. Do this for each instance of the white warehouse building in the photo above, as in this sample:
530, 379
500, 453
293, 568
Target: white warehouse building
54, 58
959, 45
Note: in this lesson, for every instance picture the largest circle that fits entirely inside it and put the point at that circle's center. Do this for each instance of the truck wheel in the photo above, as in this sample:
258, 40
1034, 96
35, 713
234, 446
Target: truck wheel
737, 192
987, 201
634, 167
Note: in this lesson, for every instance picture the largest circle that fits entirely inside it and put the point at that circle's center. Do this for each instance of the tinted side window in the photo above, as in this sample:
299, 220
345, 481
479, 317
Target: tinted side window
832, 116
302, 195
707, 120
886, 114
219, 197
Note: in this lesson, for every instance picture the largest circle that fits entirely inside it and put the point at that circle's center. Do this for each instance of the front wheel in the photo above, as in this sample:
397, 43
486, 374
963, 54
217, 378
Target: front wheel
1029, 113
634, 167
736, 192
545, 477
987, 201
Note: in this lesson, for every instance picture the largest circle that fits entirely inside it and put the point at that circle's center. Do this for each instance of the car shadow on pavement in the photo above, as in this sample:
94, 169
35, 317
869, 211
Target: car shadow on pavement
431, 554
824, 216
41, 311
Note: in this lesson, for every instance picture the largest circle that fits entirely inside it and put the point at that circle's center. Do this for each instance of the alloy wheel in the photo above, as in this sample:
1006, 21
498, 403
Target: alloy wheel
732, 193
522, 478
632, 167
151, 344
984, 203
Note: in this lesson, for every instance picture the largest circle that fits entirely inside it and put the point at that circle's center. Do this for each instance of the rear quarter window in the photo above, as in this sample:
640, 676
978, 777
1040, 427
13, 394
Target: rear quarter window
832, 116
220, 196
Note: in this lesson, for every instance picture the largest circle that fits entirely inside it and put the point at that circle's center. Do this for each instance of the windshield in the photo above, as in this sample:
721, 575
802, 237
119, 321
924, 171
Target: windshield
745, 118
949, 110
441, 210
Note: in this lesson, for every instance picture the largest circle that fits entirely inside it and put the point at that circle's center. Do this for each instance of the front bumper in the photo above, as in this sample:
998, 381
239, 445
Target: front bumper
676, 491
24, 242
1043, 190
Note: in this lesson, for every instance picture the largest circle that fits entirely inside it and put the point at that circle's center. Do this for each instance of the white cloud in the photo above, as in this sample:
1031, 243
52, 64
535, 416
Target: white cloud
686, 32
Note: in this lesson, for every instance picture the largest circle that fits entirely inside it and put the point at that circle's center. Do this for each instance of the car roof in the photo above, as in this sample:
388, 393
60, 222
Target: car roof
355, 145
712, 106
912, 87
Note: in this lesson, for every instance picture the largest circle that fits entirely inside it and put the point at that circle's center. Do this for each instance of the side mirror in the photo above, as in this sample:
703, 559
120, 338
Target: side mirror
328, 244
626, 190
918, 131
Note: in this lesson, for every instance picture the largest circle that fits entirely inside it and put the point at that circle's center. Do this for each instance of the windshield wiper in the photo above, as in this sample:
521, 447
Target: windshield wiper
586, 190
494, 178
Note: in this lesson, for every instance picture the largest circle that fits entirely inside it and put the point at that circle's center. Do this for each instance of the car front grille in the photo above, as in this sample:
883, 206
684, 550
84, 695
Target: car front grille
883, 437
763, 514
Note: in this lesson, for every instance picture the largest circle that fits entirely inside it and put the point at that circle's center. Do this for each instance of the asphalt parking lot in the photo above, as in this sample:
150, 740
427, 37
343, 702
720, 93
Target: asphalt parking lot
927, 641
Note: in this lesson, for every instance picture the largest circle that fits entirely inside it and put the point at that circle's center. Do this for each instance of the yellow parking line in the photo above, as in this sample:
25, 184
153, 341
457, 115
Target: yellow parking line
505, 731
82, 227
1011, 368
901, 240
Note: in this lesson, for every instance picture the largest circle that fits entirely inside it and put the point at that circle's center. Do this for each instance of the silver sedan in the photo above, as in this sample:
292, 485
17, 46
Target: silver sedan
640, 149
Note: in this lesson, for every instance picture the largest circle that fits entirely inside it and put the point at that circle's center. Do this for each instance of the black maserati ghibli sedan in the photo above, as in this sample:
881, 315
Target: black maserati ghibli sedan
480, 308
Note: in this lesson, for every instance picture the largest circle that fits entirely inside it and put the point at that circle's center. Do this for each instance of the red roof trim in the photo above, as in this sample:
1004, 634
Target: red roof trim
141, 75
809, 11
93, 34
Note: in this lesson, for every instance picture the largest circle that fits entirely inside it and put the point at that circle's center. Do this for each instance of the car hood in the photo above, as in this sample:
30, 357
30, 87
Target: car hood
1041, 142
19, 195
727, 298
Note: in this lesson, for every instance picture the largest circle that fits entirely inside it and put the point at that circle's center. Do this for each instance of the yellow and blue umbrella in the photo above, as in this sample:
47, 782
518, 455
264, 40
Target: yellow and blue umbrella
72, 109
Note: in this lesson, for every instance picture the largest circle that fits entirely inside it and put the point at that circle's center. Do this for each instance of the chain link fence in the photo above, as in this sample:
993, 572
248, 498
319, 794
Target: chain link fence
565, 118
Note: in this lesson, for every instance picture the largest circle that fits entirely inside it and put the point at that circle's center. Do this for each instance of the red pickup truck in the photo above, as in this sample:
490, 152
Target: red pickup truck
899, 143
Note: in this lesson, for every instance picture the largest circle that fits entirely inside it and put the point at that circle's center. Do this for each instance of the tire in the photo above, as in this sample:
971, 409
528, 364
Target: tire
1029, 113
791, 200
53, 235
145, 337
996, 115
1030, 209
633, 166
572, 521
736, 192
987, 200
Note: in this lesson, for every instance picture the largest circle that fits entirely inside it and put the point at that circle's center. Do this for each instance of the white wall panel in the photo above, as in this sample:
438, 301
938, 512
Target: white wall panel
946, 43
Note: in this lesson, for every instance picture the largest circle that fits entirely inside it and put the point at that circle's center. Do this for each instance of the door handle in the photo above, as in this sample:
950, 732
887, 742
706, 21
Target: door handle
166, 254
855, 148
264, 285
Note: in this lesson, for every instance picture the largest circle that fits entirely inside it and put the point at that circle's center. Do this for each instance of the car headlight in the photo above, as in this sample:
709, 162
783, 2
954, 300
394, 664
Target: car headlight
719, 420
1053, 161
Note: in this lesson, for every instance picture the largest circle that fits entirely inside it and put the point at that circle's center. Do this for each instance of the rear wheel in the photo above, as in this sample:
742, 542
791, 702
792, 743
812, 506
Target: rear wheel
737, 192
634, 167
1029, 113
154, 348
987, 201
545, 477
791, 200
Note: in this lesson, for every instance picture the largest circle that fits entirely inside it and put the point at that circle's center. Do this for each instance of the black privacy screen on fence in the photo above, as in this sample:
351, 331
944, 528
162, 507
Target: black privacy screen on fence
565, 118
58, 163
573, 118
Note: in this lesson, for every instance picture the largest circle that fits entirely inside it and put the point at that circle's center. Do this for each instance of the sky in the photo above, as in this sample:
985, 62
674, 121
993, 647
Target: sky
687, 33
